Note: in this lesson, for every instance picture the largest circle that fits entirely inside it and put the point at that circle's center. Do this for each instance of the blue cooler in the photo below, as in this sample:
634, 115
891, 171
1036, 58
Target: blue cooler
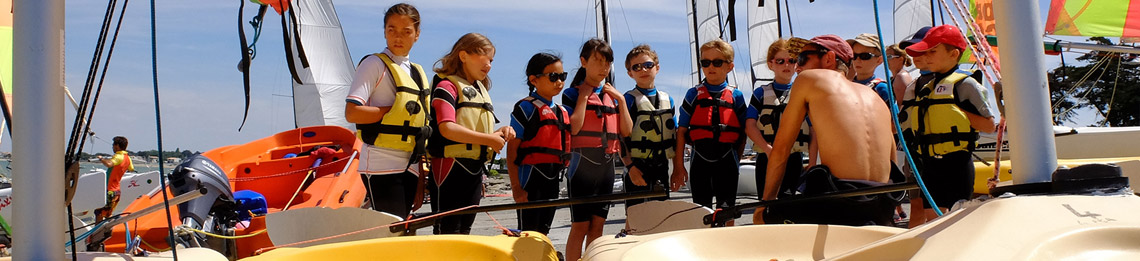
250, 201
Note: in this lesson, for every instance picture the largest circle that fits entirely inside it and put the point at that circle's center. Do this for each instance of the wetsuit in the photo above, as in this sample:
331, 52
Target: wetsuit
650, 156
458, 168
540, 169
877, 209
715, 132
594, 153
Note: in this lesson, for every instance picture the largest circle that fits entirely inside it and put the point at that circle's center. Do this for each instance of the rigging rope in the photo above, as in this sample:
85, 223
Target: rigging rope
199, 231
158, 124
1113, 97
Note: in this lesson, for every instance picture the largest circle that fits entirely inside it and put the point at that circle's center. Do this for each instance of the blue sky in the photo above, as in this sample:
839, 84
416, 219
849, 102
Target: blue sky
201, 90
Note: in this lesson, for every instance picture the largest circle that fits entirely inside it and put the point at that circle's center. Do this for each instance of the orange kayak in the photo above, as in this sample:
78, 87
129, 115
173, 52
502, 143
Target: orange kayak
281, 168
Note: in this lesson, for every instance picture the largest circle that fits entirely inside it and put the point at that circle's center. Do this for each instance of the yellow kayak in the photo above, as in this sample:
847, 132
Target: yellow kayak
530, 246
1129, 165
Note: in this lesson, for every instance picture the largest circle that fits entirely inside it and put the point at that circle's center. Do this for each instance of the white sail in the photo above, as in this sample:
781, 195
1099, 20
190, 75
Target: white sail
763, 30
704, 26
909, 16
319, 98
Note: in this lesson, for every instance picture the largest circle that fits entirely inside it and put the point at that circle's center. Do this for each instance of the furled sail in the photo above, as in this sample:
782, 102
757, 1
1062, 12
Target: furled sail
704, 26
1094, 18
909, 16
319, 98
763, 30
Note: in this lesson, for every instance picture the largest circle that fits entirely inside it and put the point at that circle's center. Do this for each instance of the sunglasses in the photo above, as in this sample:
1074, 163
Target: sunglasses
554, 77
642, 66
892, 56
803, 56
782, 60
716, 63
865, 56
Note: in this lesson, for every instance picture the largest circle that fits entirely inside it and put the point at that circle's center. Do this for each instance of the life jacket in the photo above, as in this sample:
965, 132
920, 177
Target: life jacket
771, 110
654, 131
404, 127
600, 127
473, 110
714, 117
115, 173
546, 138
940, 126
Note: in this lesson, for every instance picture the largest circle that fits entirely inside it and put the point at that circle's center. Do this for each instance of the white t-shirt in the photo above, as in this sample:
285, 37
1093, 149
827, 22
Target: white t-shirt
372, 86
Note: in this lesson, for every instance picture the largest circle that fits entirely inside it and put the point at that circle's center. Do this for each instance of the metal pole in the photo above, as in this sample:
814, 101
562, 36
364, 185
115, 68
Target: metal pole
1032, 152
37, 166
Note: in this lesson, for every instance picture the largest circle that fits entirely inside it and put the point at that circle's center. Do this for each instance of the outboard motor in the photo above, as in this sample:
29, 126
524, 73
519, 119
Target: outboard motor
200, 172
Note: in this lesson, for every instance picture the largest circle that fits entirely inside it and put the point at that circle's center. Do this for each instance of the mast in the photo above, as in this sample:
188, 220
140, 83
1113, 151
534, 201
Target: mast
38, 44
1032, 149
603, 30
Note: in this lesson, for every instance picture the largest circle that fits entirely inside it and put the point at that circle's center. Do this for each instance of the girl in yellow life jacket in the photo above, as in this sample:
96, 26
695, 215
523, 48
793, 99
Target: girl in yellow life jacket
388, 103
652, 138
464, 141
597, 123
535, 157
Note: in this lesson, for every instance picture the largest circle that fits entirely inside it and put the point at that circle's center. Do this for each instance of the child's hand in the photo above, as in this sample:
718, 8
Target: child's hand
635, 176
678, 178
609, 88
506, 132
519, 194
497, 143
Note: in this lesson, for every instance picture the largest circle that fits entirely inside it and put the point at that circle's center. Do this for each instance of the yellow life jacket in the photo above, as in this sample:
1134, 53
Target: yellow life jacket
654, 130
473, 110
405, 126
771, 109
939, 126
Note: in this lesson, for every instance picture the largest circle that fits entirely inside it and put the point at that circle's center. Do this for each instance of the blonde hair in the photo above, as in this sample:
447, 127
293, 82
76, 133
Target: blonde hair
721, 46
639, 50
779, 44
894, 48
472, 43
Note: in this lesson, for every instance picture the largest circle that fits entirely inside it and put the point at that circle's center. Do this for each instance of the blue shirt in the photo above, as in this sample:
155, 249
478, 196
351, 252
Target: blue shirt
758, 98
738, 104
524, 111
629, 102
884, 92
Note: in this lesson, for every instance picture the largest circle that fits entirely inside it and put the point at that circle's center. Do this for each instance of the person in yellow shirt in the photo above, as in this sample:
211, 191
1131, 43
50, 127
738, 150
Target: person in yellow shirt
117, 165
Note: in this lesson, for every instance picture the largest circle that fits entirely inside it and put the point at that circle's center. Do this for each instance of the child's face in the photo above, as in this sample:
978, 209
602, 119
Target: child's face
783, 64
476, 66
715, 74
641, 72
940, 58
401, 33
542, 83
920, 62
895, 61
597, 68
866, 68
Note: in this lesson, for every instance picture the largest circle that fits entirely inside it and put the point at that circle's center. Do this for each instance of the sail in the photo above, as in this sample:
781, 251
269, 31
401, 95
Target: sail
909, 16
602, 20
6, 51
1094, 18
319, 98
763, 30
983, 13
704, 26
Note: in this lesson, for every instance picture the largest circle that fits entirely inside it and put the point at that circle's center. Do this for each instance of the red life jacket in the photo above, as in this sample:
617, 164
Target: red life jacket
547, 137
600, 129
714, 117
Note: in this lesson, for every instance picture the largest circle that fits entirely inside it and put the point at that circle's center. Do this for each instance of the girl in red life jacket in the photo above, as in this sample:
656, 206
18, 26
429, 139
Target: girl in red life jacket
465, 140
598, 122
535, 157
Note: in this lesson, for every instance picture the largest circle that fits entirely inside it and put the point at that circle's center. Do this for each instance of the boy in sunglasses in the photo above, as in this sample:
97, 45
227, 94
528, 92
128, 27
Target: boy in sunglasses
867, 58
948, 110
712, 120
852, 127
651, 141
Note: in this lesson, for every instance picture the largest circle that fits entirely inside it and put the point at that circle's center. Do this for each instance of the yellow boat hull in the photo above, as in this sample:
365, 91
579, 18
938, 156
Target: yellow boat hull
530, 246
1129, 165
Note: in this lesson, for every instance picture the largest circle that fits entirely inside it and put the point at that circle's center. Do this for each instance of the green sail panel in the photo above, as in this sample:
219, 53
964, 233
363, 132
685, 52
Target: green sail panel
1108, 18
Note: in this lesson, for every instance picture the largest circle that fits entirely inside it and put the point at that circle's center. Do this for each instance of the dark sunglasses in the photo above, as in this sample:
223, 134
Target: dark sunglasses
865, 56
717, 62
642, 66
803, 56
782, 60
554, 77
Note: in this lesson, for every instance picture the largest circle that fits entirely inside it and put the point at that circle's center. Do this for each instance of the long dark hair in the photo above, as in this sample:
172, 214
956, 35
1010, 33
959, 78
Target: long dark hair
594, 45
538, 63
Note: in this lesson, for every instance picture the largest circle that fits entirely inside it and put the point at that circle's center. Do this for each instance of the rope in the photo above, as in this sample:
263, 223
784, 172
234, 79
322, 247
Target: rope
262, 250
155, 248
978, 58
1112, 98
992, 182
158, 124
1083, 79
500, 226
254, 234
895, 119
293, 172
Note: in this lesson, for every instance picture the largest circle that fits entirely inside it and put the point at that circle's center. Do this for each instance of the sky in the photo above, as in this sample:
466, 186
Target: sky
201, 89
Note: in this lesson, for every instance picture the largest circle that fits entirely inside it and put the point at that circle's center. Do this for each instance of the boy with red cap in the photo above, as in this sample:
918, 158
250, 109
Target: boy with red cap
852, 126
948, 110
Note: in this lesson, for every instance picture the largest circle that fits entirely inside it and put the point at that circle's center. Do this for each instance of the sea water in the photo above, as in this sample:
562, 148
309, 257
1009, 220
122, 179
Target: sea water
84, 167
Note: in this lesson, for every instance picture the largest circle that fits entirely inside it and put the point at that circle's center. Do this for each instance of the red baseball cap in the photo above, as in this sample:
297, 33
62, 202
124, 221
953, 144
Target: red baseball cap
942, 34
836, 45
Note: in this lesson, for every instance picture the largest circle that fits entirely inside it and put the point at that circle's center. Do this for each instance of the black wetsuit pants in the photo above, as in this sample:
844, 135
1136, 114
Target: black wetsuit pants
654, 172
877, 209
541, 184
714, 172
795, 166
392, 193
462, 187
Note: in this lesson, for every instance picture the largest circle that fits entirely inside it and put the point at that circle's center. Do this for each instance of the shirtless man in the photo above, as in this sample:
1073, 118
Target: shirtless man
852, 127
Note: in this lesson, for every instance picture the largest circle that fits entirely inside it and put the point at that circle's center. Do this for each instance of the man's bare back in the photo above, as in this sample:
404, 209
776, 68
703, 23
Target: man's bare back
850, 122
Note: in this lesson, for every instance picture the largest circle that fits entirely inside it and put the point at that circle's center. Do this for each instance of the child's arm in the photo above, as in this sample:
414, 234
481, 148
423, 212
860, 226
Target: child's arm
625, 123
680, 174
513, 171
578, 117
754, 134
364, 114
